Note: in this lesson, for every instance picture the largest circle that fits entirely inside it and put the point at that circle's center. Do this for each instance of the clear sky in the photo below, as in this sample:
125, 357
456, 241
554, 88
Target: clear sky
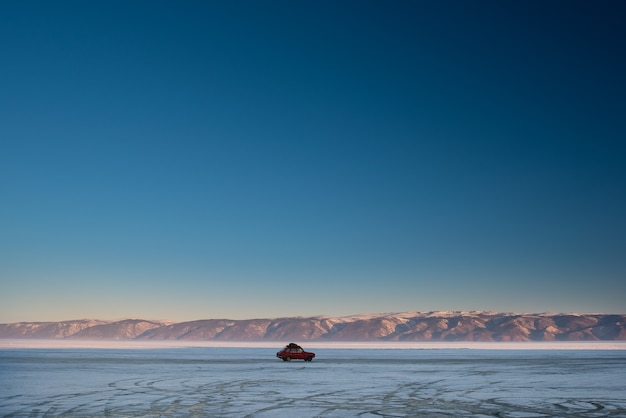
241, 159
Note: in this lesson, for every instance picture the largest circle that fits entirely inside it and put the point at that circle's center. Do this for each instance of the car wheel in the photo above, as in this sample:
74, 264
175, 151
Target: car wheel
308, 359
287, 358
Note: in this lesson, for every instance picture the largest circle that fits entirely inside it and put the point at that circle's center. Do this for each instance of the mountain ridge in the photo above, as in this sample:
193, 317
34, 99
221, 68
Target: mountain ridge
480, 326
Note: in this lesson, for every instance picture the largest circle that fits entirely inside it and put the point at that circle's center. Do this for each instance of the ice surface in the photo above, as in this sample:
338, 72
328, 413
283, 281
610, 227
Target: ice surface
218, 381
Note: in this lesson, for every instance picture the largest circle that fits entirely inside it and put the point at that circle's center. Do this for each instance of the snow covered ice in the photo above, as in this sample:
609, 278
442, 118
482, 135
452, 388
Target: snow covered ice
232, 382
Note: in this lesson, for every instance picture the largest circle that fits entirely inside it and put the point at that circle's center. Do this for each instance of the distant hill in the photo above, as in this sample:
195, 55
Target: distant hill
406, 326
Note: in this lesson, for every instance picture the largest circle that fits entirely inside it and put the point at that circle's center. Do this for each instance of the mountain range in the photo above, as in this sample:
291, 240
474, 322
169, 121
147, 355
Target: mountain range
406, 326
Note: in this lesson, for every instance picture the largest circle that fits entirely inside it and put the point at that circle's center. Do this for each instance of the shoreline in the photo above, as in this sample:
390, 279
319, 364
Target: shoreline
9, 344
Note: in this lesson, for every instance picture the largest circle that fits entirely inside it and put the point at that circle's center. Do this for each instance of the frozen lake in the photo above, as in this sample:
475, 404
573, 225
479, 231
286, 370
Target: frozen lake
239, 382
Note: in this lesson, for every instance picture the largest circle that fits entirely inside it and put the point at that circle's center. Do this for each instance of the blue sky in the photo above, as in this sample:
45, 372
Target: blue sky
188, 160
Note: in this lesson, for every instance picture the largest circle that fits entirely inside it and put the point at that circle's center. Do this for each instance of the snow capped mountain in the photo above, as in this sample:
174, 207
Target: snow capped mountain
121, 330
44, 330
406, 326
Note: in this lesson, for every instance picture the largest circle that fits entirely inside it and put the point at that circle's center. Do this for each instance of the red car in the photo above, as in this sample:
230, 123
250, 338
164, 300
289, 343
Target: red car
294, 352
